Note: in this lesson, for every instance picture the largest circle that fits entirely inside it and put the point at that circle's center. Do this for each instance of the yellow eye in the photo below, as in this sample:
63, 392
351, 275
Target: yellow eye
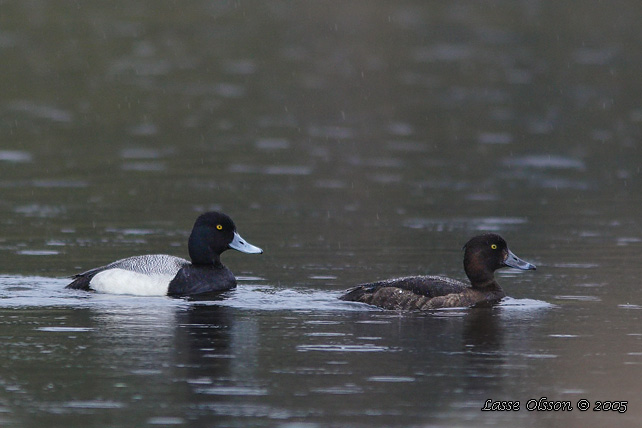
219, 227
493, 246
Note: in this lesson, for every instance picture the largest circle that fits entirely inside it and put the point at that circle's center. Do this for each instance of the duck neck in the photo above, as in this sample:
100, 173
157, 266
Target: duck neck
486, 285
480, 276
200, 251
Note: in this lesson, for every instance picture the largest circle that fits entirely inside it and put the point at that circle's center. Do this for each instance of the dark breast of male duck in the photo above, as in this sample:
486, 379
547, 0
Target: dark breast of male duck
483, 255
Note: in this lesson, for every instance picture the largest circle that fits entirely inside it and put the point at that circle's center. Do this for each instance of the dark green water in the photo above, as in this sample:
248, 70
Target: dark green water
352, 141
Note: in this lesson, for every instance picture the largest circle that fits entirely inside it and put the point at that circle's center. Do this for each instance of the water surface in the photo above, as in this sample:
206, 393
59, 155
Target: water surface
352, 142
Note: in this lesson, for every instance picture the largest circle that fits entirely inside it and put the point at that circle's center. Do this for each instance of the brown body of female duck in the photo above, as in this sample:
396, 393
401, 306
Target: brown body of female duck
483, 255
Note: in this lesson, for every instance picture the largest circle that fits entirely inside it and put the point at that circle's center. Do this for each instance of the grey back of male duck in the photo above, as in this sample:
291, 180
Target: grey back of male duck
162, 274
483, 255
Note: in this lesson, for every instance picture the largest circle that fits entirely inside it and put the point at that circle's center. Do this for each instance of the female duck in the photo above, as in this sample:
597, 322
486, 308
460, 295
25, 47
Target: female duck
483, 255
161, 274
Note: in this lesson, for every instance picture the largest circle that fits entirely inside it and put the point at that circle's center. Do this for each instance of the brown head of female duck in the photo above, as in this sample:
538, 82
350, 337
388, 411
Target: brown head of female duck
483, 255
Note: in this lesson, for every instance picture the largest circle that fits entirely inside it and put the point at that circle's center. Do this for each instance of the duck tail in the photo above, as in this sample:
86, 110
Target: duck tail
354, 294
360, 293
80, 282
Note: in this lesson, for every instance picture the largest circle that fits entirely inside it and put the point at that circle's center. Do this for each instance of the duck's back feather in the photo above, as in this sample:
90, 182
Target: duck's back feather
152, 264
420, 292
428, 286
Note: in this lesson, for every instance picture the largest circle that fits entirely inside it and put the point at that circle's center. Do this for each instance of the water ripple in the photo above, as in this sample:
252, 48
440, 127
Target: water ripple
232, 391
16, 156
544, 162
34, 291
391, 379
343, 348
467, 223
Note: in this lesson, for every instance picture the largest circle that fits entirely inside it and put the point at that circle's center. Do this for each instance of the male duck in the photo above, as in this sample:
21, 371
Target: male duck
161, 274
483, 255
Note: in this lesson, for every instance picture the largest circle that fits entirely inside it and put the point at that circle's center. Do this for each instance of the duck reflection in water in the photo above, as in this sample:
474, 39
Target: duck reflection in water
483, 347
483, 255
219, 350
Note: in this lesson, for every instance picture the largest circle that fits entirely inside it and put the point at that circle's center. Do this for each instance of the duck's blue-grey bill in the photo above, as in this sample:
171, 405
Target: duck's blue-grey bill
515, 262
243, 246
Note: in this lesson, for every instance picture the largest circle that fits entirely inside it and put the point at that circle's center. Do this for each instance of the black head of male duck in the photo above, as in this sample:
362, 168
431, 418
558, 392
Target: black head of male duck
483, 255
161, 274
